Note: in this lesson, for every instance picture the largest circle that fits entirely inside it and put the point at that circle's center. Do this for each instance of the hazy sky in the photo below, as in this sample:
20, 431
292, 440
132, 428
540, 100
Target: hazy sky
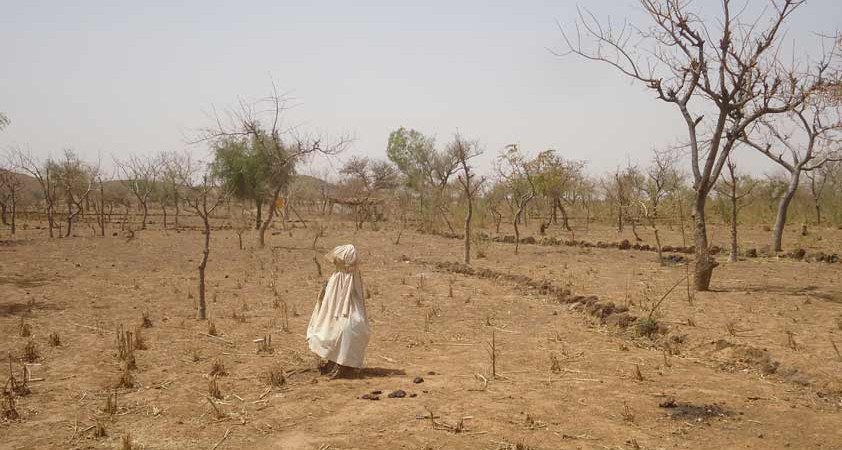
117, 77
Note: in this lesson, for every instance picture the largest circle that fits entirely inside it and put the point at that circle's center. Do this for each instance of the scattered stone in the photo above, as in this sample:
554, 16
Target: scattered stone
418, 380
370, 397
668, 403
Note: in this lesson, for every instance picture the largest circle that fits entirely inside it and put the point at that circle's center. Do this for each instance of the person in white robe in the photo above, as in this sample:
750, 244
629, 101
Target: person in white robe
339, 330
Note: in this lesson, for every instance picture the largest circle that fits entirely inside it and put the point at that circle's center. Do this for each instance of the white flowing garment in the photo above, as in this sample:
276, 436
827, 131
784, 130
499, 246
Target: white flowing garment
339, 329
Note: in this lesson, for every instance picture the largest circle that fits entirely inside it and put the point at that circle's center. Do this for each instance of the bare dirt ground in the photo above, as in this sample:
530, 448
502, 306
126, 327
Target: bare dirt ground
749, 365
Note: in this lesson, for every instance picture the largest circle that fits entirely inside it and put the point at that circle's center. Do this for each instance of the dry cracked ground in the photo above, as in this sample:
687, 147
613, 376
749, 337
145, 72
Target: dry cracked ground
518, 352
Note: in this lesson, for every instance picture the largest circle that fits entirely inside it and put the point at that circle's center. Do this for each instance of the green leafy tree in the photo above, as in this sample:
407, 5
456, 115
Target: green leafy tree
243, 169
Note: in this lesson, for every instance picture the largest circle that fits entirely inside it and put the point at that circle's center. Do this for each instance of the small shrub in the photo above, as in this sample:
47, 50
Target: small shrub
213, 389
99, 430
31, 352
140, 341
126, 378
126, 442
212, 328
555, 363
217, 369
264, 346
195, 354
25, 328
647, 326
9, 406
147, 321
125, 348
637, 374
275, 376
627, 413
54, 340
110, 404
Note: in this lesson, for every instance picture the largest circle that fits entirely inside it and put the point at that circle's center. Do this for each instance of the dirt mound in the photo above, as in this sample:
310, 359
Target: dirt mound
736, 357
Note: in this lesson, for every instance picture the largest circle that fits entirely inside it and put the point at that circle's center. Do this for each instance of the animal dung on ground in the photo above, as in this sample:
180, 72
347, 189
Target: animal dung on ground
398, 394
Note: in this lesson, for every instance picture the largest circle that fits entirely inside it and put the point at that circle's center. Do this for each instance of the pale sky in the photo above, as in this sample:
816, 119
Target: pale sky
118, 77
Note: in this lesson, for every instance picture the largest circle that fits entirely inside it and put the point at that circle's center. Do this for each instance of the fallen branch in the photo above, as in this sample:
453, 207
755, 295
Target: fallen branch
227, 433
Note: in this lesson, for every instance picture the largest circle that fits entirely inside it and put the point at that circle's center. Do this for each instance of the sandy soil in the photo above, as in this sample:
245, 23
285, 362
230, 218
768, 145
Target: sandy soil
749, 365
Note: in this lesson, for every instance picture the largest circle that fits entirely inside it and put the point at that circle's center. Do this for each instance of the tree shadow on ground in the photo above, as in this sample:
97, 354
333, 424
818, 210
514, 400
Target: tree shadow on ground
803, 291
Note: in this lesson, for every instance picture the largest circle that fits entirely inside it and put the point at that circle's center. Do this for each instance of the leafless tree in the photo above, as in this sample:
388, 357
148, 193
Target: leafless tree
43, 174
810, 135
10, 187
736, 188
818, 180
660, 180
620, 192
516, 171
140, 175
464, 151
75, 181
282, 148
203, 195
722, 79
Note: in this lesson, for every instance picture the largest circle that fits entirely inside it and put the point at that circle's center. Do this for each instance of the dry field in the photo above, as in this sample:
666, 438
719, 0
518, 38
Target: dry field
754, 364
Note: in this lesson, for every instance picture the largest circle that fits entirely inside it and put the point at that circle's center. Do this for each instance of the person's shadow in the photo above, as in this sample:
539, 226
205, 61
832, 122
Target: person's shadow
380, 372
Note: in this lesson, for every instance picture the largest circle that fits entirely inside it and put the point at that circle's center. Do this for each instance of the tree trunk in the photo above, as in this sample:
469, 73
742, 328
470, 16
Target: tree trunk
164, 210
517, 230
658, 244
269, 216
258, 202
704, 262
201, 313
145, 214
69, 219
732, 257
620, 220
783, 207
468, 215
14, 212
101, 210
815, 193
50, 223
177, 211
565, 222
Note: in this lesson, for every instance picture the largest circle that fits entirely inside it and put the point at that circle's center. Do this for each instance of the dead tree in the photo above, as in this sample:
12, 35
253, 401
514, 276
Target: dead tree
810, 145
660, 180
730, 71
736, 188
203, 196
619, 189
140, 176
43, 174
10, 187
463, 151
516, 172
75, 180
818, 180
